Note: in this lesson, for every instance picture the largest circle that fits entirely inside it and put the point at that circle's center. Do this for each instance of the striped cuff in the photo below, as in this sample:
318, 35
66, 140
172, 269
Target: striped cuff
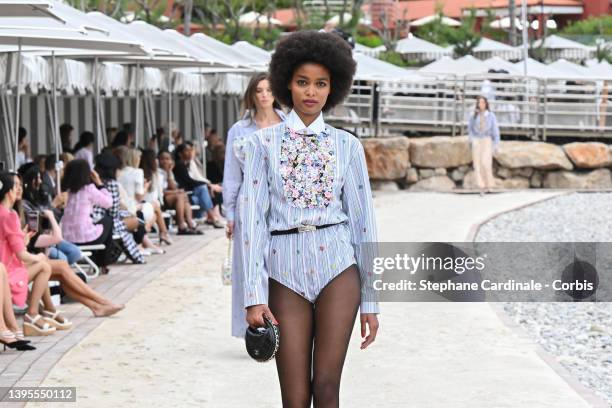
369, 307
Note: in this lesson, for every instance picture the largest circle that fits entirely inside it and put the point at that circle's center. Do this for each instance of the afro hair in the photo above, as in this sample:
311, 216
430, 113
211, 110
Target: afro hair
327, 49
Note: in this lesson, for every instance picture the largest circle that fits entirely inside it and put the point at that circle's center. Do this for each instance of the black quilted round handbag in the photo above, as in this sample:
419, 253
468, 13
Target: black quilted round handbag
262, 342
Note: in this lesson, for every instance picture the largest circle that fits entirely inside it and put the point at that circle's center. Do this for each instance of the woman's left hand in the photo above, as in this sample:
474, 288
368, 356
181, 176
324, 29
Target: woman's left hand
371, 320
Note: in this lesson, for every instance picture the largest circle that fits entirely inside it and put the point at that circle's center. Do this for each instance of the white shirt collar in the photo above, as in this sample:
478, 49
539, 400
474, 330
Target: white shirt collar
294, 122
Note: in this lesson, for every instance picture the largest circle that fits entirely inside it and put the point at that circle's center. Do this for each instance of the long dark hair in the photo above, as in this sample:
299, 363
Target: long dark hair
148, 163
477, 110
248, 100
76, 176
35, 196
7, 182
86, 139
107, 165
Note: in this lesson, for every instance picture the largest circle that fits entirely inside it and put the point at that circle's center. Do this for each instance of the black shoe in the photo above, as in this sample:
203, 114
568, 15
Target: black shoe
20, 345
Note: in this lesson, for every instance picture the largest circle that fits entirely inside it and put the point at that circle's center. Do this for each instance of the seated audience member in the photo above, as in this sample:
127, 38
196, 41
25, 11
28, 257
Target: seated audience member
85, 190
175, 197
49, 177
131, 134
11, 335
34, 200
125, 225
66, 137
154, 194
215, 157
22, 267
131, 179
120, 139
198, 185
72, 285
84, 148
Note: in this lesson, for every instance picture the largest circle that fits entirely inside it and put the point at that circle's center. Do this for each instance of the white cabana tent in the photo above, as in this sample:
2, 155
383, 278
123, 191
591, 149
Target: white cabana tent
254, 52
572, 70
373, 69
498, 63
229, 54
416, 48
539, 70
462, 66
488, 48
451, 22
370, 52
559, 47
601, 70
25, 8
52, 33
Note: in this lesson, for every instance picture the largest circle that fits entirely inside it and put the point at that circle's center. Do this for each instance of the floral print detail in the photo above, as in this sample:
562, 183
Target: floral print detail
239, 146
307, 166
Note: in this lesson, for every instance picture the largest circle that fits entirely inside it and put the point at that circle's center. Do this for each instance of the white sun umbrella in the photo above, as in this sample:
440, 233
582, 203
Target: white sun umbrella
230, 55
601, 70
504, 23
55, 34
488, 48
335, 20
451, 22
463, 66
413, 46
253, 18
369, 68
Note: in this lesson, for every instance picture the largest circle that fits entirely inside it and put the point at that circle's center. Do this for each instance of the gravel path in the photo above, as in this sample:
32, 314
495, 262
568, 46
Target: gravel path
579, 335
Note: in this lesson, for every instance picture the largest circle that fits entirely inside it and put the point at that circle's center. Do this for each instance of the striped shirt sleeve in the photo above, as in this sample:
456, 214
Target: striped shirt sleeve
358, 205
255, 235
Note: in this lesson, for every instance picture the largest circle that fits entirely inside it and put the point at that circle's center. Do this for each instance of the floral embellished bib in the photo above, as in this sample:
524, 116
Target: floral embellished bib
307, 167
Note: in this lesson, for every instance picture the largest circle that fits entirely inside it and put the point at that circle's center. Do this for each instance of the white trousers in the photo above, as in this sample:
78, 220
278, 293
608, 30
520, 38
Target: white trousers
482, 157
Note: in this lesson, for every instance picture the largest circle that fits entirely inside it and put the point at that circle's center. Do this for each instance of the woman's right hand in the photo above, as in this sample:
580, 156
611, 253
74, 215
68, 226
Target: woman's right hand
95, 177
255, 315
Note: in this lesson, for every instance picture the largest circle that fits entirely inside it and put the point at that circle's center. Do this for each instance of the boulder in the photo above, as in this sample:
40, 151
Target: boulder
412, 176
387, 158
596, 179
384, 186
515, 182
440, 171
540, 155
504, 172
588, 155
522, 172
426, 173
440, 151
435, 183
536, 179
457, 174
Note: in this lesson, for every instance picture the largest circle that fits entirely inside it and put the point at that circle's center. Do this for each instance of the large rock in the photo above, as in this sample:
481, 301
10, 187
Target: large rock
457, 174
515, 182
435, 183
540, 155
588, 155
384, 186
426, 173
596, 179
440, 151
412, 176
536, 179
387, 158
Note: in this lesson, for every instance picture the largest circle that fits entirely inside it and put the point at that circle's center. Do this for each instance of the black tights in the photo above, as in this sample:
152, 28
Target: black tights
314, 339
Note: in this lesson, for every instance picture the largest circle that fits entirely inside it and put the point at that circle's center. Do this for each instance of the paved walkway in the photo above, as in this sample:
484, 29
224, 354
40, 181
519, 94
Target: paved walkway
171, 346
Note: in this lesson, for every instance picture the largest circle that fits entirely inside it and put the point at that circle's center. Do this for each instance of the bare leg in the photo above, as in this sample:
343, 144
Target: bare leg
159, 217
172, 200
335, 311
293, 360
131, 223
79, 290
38, 274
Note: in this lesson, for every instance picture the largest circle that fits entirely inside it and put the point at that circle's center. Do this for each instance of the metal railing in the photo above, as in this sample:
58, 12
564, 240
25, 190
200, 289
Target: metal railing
527, 106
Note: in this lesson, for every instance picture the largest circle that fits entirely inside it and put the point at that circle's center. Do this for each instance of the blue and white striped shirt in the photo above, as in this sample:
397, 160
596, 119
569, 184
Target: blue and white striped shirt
290, 179
490, 128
